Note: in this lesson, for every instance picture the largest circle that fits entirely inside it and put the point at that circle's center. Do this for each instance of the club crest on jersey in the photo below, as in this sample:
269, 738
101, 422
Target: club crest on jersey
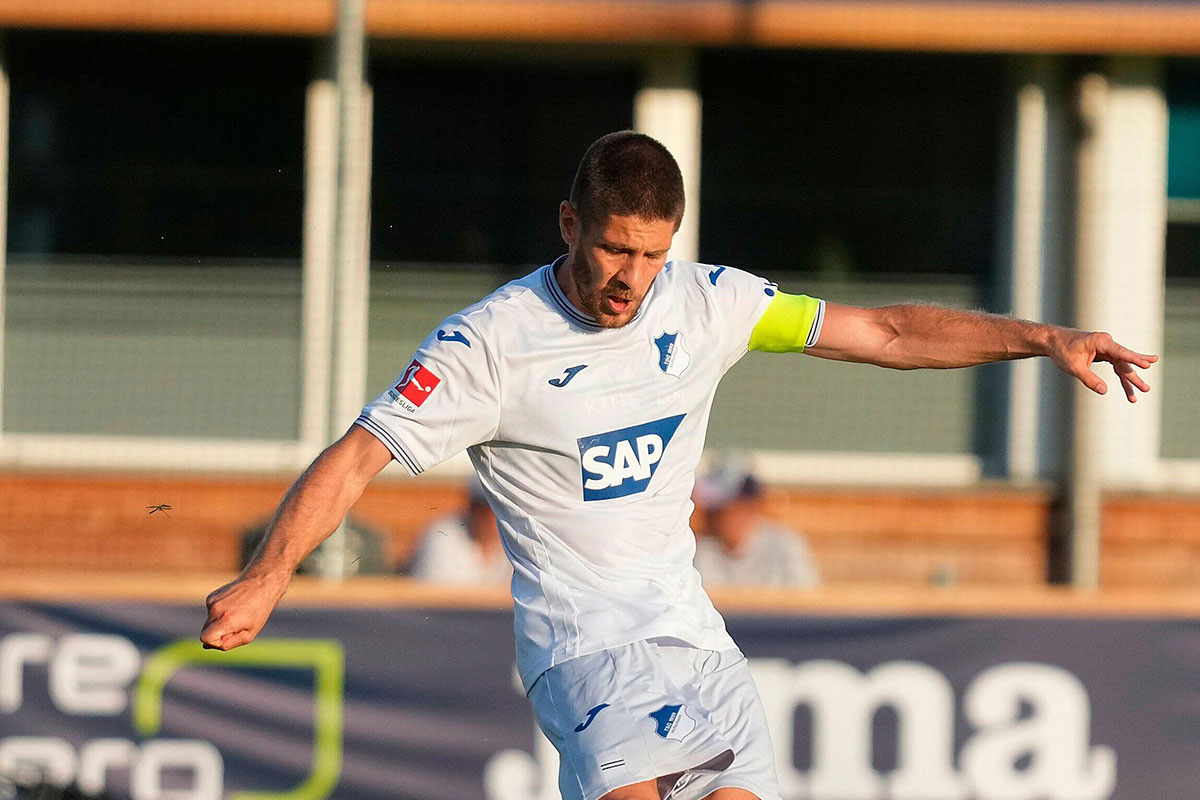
673, 722
672, 358
415, 386
622, 462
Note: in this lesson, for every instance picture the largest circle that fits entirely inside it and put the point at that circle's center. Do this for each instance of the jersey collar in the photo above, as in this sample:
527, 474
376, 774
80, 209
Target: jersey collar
568, 309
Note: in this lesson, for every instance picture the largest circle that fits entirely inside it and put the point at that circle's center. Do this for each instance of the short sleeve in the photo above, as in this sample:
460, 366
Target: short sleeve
445, 400
740, 298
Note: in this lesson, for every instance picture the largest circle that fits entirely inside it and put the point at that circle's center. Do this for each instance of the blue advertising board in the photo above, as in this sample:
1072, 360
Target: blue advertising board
361, 703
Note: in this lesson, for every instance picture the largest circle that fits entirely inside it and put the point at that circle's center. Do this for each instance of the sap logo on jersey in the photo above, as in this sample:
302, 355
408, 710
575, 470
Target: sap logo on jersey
622, 462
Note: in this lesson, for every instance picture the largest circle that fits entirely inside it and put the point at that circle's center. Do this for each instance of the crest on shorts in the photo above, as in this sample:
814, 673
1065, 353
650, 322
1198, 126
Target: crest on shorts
673, 722
672, 358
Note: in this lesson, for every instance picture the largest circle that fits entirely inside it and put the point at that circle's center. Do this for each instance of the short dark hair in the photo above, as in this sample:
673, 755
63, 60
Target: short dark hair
629, 174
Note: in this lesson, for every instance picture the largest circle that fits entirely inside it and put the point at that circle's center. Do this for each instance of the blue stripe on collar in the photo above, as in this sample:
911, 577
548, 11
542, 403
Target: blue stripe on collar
568, 308
564, 305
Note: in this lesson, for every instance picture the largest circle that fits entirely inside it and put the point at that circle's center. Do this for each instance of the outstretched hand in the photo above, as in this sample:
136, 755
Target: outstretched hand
1075, 351
237, 612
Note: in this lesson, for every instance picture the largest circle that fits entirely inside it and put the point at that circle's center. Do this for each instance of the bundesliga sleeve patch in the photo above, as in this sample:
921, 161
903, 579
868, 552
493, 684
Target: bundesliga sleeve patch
415, 387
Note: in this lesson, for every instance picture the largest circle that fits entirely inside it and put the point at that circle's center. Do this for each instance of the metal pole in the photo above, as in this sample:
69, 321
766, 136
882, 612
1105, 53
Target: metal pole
668, 108
317, 259
1027, 258
1119, 284
4, 126
1083, 487
350, 268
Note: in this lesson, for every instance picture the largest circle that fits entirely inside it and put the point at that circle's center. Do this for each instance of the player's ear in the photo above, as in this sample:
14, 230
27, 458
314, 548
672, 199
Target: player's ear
568, 222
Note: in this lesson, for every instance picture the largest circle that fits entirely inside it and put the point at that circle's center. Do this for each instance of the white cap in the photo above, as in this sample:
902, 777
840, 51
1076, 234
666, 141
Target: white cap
729, 480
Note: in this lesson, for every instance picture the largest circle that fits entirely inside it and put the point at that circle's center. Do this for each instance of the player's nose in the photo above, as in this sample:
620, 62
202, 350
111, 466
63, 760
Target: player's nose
637, 272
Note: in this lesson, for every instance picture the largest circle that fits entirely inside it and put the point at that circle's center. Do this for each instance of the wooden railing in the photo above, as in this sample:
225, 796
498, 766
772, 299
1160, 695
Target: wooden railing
850, 600
979, 537
953, 25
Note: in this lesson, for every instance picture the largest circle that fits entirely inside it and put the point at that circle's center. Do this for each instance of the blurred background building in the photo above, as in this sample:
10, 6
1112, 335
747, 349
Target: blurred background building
189, 317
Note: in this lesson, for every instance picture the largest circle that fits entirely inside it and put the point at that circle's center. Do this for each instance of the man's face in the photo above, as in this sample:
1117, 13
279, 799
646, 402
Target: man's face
612, 263
733, 523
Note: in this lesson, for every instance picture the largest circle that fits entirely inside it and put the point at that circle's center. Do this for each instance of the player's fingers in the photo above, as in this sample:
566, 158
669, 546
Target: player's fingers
1127, 373
219, 626
1127, 385
1092, 381
210, 635
1109, 350
223, 640
236, 639
1140, 359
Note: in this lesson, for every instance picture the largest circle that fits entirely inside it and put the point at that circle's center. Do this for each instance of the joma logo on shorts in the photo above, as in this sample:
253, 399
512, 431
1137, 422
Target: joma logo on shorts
622, 462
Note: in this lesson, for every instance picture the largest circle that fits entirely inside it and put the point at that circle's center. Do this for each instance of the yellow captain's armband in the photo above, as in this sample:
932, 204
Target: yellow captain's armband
790, 323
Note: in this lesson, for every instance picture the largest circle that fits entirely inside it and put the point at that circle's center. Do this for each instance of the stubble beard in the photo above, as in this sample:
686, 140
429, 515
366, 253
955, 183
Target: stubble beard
592, 298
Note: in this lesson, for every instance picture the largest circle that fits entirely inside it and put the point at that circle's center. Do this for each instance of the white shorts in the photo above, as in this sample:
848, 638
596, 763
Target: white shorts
656, 709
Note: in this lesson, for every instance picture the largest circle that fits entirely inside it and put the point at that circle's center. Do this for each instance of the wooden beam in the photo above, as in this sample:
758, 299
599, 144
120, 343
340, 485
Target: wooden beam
955, 25
1033, 27
295, 17
602, 21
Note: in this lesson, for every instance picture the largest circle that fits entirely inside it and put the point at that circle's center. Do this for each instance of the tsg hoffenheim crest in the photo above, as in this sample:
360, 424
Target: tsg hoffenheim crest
672, 358
673, 722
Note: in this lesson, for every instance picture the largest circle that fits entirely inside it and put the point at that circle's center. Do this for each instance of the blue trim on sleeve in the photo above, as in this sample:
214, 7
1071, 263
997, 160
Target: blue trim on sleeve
398, 451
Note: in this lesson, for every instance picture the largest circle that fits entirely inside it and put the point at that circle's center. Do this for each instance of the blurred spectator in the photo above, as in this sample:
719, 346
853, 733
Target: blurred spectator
740, 546
463, 547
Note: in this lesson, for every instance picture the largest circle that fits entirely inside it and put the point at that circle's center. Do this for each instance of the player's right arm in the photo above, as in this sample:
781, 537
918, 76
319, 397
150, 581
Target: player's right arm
311, 510
921, 336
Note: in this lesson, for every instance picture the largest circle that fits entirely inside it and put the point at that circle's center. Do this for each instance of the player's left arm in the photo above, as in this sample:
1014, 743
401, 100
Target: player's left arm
920, 336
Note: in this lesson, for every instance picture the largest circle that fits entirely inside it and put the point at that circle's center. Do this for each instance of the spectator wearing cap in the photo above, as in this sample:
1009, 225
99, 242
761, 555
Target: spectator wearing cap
741, 546
463, 547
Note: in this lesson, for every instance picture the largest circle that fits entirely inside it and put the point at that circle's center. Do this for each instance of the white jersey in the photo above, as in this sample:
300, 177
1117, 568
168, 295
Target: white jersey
586, 441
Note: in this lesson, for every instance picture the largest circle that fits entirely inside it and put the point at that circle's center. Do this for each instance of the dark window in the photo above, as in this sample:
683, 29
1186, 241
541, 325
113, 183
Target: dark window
471, 160
845, 164
1183, 170
157, 145
1183, 148
1183, 249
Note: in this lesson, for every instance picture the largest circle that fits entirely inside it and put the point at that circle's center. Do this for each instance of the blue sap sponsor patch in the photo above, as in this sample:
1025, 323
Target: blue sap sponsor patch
622, 462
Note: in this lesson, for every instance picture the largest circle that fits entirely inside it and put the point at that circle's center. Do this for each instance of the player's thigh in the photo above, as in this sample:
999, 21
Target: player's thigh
728, 691
732, 793
618, 719
643, 790
654, 790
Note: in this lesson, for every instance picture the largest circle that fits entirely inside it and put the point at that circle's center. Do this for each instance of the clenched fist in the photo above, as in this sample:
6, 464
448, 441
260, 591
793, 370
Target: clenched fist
238, 611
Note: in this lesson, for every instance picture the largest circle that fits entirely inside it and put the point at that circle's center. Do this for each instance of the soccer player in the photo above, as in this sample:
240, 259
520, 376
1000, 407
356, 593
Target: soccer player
582, 393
